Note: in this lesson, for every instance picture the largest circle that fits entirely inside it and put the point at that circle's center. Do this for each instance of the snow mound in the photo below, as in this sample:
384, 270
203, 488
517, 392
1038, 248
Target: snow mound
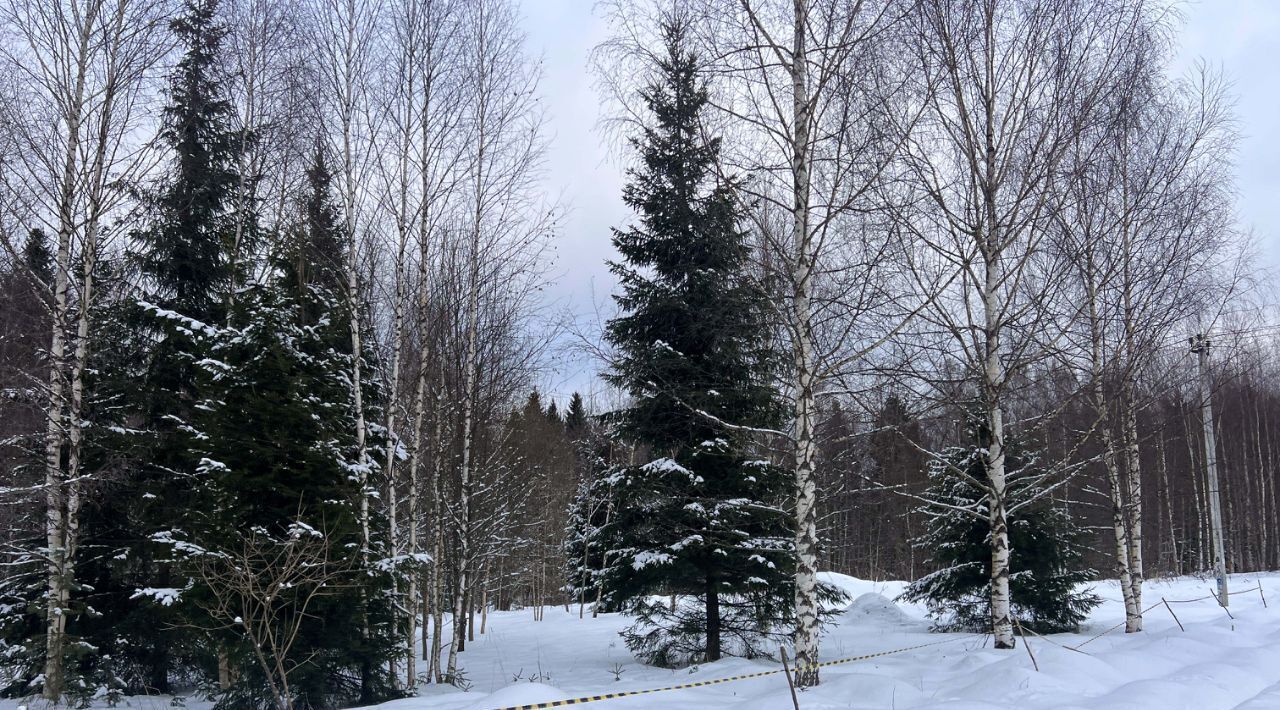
854, 587
877, 608
519, 694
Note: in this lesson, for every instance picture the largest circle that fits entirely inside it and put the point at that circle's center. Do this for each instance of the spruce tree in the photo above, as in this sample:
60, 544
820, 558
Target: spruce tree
274, 444
144, 378
37, 256
184, 255
588, 505
575, 419
314, 258
276, 431
705, 519
1048, 569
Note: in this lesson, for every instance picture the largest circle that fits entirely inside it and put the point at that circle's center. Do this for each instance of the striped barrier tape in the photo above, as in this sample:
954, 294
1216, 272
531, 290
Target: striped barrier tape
715, 681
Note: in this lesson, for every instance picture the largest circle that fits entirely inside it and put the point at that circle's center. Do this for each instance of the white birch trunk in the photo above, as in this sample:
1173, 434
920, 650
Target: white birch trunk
392, 503
357, 346
92, 62
58, 418
994, 375
1110, 458
805, 445
419, 418
1119, 525
1129, 432
343, 44
468, 413
1133, 507
994, 380
403, 227
415, 463
55, 435
437, 537
1129, 415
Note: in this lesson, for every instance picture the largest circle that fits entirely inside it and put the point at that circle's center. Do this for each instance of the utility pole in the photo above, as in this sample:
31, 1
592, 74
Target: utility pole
1200, 346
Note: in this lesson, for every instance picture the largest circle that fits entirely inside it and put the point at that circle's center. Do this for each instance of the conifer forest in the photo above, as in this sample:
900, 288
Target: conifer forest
952, 295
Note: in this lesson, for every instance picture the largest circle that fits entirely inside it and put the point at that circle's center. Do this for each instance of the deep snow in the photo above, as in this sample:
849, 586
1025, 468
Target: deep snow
1217, 663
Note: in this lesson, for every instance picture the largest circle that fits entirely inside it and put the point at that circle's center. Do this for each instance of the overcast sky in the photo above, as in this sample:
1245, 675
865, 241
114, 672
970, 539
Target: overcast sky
1240, 36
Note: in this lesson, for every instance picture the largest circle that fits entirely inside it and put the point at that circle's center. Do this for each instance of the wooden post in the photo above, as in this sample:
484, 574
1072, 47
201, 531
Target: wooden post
1026, 644
795, 701
1175, 616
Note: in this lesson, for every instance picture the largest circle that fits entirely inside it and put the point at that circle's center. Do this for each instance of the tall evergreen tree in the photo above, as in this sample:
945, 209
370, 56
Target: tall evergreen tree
357, 640
276, 432
1048, 570
37, 256
706, 518
575, 419
145, 379
184, 255
314, 257
274, 439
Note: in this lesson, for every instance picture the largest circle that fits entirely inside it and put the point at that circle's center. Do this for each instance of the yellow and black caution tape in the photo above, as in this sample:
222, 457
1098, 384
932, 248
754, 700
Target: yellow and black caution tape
715, 681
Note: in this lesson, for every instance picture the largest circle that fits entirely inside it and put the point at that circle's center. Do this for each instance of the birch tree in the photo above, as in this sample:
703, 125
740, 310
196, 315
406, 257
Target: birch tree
345, 51
422, 135
816, 97
809, 97
503, 148
1145, 222
399, 104
438, 155
84, 69
1011, 83
269, 84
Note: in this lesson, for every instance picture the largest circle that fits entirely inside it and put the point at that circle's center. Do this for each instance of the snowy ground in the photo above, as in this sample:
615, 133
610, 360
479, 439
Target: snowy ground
1215, 663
